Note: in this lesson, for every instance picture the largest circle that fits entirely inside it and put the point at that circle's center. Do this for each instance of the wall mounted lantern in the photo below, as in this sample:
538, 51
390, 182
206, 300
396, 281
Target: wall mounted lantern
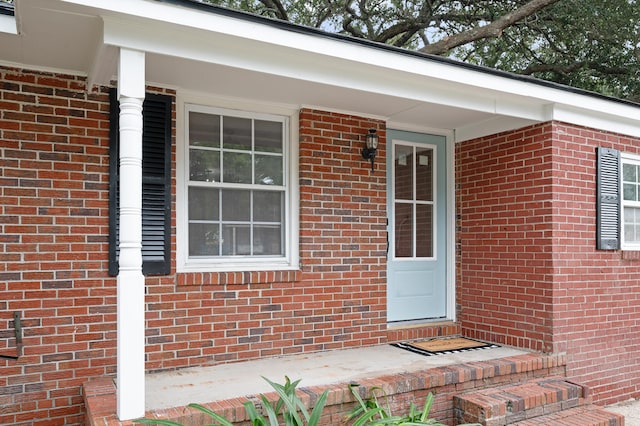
371, 147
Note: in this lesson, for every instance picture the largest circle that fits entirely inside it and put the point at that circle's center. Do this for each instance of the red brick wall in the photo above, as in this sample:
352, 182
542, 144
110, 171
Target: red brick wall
528, 271
596, 293
342, 231
505, 230
53, 241
53, 256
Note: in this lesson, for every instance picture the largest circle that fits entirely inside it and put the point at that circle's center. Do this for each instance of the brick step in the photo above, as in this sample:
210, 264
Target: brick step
588, 415
508, 404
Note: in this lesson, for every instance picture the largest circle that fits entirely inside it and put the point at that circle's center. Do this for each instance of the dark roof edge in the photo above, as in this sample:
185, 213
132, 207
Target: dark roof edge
289, 26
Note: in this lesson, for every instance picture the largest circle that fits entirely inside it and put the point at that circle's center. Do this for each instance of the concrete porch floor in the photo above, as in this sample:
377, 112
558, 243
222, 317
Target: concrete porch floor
220, 382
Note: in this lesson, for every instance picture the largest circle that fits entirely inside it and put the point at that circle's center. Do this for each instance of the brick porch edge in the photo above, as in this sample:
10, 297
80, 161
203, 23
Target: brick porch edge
401, 389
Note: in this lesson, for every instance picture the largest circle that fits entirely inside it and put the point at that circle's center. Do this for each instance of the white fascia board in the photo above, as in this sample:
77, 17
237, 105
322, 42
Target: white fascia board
616, 123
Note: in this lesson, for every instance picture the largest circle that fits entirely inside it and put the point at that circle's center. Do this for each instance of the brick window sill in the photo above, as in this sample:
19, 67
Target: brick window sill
631, 255
237, 278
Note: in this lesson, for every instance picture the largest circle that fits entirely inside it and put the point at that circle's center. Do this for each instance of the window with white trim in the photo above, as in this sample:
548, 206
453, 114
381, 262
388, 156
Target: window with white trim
630, 207
238, 211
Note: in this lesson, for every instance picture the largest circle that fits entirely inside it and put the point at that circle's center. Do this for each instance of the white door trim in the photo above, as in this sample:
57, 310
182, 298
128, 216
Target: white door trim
451, 314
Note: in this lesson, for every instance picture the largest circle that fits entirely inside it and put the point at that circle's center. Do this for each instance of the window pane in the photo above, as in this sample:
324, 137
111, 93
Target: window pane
237, 167
629, 172
630, 191
424, 231
424, 174
630, 182
236, 240
236, 205
268, 136
236, 133
267, 206
267, 240
203, 204
632, 224
403, 172
204, 129
268, 170
204, 239
204, 165
404, 230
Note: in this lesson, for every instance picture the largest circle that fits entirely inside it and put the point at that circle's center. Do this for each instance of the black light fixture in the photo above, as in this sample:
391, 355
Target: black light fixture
371, 147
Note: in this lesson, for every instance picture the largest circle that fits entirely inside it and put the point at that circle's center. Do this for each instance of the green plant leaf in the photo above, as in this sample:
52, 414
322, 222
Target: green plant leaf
217, 417
271, 412
256, 418
352, 387
427, 407
316, 413
369, 415
146, 421
361, 407
288, 395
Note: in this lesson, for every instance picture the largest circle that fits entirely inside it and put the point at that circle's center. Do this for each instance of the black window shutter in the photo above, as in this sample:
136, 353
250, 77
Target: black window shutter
156, 184
608, 199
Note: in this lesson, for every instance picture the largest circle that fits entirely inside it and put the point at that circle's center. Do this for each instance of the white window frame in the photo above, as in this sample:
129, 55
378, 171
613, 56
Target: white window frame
414, 203
635, 160
290, 261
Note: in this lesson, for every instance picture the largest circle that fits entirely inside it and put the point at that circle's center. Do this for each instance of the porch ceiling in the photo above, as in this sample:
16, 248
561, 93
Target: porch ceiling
195, 50
232, 82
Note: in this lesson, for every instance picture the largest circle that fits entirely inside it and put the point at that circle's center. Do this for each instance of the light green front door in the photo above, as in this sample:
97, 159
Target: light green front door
417, 211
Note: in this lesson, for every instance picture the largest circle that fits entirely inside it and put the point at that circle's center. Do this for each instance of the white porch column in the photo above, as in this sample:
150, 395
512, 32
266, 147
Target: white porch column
130, 311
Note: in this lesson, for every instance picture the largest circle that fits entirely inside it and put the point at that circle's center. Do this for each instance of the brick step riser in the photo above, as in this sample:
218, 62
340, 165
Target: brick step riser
589, 415
507, 404
549, 401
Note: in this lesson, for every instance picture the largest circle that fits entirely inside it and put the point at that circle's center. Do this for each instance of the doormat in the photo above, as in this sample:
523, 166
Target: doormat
443, 346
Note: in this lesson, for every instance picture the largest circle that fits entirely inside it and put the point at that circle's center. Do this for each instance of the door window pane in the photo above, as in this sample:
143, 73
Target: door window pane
403, 169
424, 230
403, 230
424, 174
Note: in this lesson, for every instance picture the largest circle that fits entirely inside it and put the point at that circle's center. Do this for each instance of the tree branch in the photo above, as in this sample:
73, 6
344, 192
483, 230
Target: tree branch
494, 29
567, 69
277, 8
